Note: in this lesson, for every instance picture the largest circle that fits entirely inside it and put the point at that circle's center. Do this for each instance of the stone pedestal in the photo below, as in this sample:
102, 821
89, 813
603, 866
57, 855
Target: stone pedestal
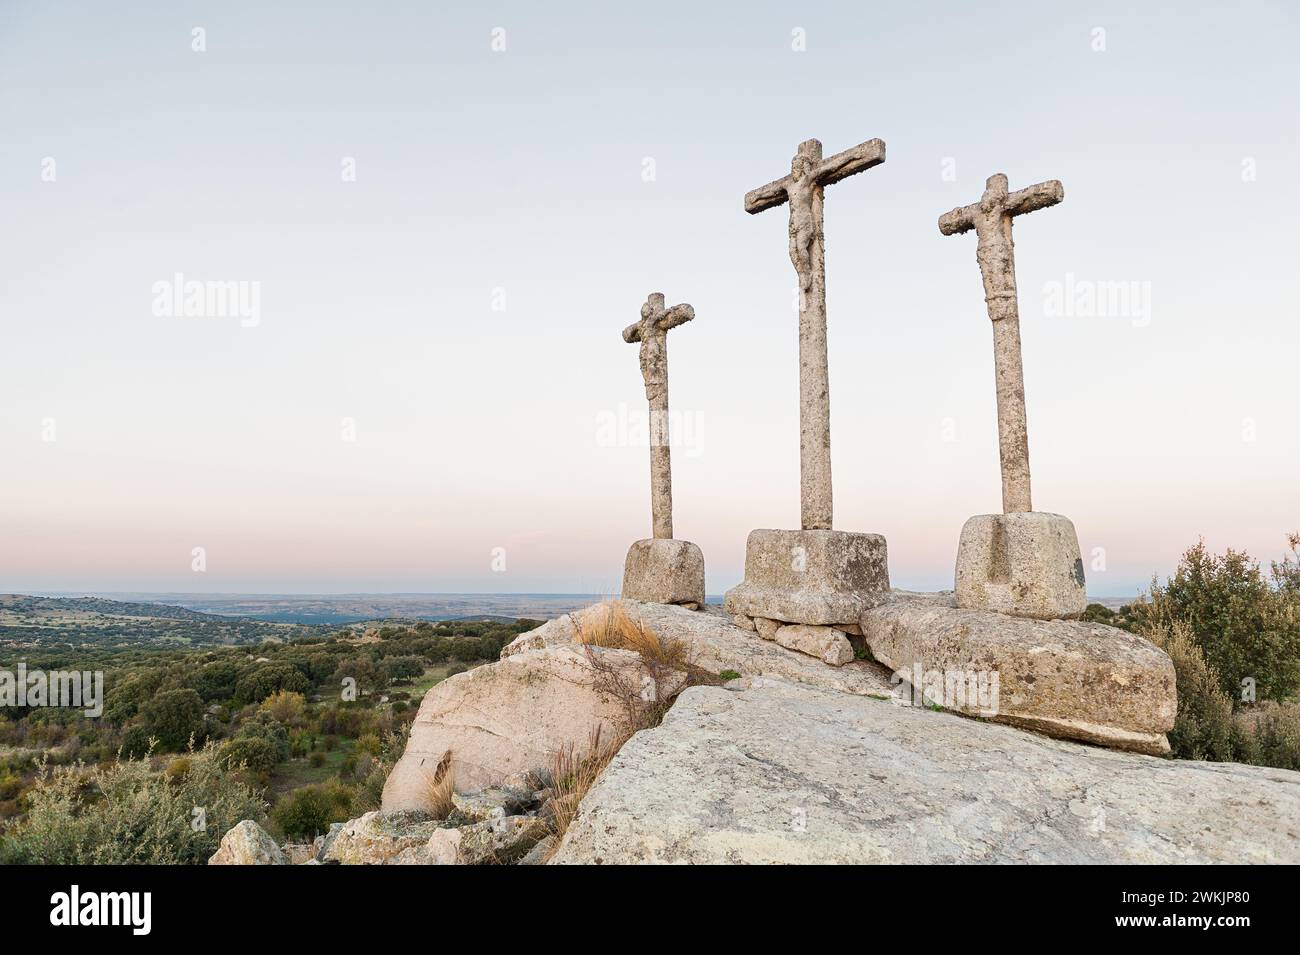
664, 571
817, 577
1024, 564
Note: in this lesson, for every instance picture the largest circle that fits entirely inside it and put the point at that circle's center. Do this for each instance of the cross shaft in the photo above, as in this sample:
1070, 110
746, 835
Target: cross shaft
804, 190
995, 252
652, 333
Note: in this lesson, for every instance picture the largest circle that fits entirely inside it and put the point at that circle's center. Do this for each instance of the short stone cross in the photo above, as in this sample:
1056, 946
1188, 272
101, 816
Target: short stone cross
652, 332
991, 219
803, 189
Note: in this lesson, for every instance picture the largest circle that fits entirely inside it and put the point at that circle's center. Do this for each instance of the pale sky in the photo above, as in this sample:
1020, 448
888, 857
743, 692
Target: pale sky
448, 238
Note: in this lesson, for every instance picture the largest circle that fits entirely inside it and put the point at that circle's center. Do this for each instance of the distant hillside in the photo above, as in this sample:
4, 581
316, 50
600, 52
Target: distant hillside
28, 622
21, 603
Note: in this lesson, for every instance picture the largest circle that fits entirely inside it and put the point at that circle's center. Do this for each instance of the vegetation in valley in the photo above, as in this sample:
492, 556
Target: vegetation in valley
1232, 630
296, 735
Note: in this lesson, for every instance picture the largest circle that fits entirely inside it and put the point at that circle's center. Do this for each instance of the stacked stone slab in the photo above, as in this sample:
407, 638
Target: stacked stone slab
661, 569
1021, 562
807, 588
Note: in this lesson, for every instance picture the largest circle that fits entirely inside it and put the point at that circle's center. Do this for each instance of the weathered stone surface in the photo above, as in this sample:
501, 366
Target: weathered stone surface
775, 773
715, 645
804, 190
493, 803
991, 219
664, 571
819, 577
248, 844
1065, 678
377, 837
743, 622
499, 841
767, 627
538, 854
1023, 564
443, 847
504, 719
827, 643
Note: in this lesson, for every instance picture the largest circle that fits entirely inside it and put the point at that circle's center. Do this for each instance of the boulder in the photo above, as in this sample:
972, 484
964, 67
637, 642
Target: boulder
248, 844
499, 841
715, 645
1065, 678
377, 837
826, 643
494, 803
504, 719
771, 772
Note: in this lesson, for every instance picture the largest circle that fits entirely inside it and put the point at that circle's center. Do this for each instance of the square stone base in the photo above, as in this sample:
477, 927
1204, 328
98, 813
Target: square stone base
1026, 565
664, 571
820, 577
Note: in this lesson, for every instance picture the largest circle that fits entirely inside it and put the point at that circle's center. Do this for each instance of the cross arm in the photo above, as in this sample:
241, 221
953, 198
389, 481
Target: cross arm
961, 219
677, 315
767, 197
851, 161
1032, 198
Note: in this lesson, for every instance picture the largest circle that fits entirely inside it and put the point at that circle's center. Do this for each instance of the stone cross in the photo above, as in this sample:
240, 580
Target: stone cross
991, 219
803, 190
652, 333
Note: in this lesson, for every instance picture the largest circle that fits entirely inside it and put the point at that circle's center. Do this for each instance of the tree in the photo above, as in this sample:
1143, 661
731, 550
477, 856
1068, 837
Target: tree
173, 717
267, 679
1248, 629
257, 753
285, 707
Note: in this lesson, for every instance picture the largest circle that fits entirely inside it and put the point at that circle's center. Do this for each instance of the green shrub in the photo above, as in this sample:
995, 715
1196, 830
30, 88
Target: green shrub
317, 760
1248, 625
261, 726
308, 812
1203, 728
1269, 735
173, 717
124, 813
256, 753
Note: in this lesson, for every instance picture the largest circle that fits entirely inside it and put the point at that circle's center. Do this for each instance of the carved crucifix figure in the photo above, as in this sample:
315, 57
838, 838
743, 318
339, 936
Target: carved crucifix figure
991, 219
652, 332
803, 189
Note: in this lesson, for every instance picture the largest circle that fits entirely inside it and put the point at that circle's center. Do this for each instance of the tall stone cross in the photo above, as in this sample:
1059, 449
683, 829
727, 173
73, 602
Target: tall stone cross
652, 333
803, 189
991, 219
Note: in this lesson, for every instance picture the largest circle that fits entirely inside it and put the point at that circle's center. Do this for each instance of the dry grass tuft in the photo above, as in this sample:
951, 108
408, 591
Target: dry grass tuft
438, 787
617, 629
662, 663
573, 772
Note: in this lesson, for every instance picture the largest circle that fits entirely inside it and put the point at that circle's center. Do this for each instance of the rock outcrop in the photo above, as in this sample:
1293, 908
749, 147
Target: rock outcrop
247, 843
715, 644
765, 771
376, 838
505, 719
1064, 678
